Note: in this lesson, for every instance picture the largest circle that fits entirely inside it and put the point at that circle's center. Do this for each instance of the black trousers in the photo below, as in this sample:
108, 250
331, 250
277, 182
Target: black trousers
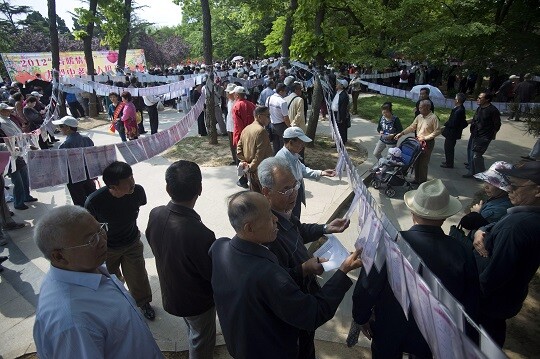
449, 151
153, 118
76, 109
80, 191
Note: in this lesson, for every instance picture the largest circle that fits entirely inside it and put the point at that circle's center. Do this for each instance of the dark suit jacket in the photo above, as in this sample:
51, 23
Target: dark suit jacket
343, 106
180, 243
447, 258
290, 250
259, 305
453, 128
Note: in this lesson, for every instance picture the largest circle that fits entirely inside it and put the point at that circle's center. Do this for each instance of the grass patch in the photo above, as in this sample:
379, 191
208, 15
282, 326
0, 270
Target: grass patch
370, 109
321, 156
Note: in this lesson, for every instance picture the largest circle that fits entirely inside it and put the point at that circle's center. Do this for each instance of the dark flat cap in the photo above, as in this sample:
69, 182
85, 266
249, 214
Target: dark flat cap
526, 170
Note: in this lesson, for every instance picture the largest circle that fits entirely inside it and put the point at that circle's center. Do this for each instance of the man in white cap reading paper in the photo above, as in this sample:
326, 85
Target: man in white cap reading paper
448, 259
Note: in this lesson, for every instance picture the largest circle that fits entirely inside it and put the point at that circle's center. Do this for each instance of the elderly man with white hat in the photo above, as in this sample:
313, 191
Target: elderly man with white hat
508, 251
79, 190
448, 259
294, 142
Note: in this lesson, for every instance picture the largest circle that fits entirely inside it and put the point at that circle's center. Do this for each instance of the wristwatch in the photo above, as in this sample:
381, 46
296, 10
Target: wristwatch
325, 229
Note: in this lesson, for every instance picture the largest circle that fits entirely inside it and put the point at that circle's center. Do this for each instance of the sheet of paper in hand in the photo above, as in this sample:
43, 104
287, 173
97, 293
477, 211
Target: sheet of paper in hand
333, 251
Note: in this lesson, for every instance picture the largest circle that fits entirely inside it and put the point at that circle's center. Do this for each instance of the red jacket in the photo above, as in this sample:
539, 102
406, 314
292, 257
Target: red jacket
242, 113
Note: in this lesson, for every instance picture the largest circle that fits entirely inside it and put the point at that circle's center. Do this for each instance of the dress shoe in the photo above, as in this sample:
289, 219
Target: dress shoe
21, 208
31, 199
466, 164
242, 184
12, 226
3, 241
444, 165
528, 158
11, 213
3, 259
467, 175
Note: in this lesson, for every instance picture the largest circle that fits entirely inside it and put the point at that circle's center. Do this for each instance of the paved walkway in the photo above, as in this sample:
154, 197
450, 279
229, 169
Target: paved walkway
20, 281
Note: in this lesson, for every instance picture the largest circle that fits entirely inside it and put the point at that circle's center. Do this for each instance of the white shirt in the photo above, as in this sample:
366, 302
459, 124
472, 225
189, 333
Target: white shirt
230, 122
278, 108
150, 100
335, 101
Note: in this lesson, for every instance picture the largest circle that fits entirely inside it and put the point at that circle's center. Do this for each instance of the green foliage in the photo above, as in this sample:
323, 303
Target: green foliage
113, 24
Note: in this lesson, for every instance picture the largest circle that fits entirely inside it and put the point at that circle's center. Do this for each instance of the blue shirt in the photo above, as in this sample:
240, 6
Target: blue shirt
76, 140
89, 315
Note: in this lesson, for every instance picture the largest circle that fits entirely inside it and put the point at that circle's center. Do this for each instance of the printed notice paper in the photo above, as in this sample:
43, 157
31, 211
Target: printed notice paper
332, 250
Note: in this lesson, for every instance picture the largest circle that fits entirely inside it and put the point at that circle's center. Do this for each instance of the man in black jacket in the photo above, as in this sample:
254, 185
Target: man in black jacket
484, 126
289, 246
453, 129
260, 307
450, 260
180, 243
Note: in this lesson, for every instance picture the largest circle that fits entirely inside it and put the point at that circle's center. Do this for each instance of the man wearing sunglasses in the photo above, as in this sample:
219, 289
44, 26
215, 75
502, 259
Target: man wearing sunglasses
84, 311
508, 251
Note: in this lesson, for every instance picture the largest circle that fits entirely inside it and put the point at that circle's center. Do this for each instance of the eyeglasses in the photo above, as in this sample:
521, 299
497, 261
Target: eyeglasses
92, 243
290, 191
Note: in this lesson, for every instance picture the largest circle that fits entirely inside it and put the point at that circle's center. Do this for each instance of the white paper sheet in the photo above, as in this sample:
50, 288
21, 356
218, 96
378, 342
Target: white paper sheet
59, 167
448, 338
77, 169
332, 250
39, 163
396, 275
137, 150
364, 232
370, 247
97, 158
424, 295
471, 350
126, 153
353, 206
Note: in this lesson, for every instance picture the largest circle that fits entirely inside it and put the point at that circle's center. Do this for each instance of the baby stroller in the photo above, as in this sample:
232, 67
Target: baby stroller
411, 149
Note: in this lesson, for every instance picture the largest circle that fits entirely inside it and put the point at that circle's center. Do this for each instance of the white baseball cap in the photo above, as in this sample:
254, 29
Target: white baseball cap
296, 132
68, 121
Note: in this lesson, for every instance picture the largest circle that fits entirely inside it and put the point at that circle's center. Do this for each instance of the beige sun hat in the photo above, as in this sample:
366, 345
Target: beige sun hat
432, 201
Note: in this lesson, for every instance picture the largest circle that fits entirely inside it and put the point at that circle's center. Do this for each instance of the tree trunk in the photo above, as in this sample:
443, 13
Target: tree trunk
55, 56
318, 96
87, 46
207, 48
288, 32
122, 49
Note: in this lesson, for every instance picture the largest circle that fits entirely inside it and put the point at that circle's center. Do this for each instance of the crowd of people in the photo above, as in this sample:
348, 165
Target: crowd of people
262, 282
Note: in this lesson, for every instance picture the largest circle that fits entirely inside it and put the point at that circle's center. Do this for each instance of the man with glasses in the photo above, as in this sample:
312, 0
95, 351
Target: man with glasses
84, 311
254, 146
508, 251
484, 126
280, 187
80, 190
118, 204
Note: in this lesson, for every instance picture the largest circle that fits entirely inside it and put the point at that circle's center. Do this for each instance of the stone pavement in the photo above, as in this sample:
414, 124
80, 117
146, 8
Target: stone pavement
20, 281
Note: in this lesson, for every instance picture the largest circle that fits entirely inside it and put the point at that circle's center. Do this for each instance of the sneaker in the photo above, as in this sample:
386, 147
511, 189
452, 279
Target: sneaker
148, 311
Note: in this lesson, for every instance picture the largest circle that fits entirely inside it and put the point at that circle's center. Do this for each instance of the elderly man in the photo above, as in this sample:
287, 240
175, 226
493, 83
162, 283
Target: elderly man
508, 251
484, 127
266, 93
79, 191
340, 109
84, 311
254, 146
295, 103
118, 205
180, 243
426, 126
424, 95
450, 260
453, 129
260, 307
242, 114
294, 142
289, 246
279, 115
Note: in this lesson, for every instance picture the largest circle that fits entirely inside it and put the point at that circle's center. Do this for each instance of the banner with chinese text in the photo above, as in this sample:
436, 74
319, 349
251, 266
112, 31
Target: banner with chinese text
24, 66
